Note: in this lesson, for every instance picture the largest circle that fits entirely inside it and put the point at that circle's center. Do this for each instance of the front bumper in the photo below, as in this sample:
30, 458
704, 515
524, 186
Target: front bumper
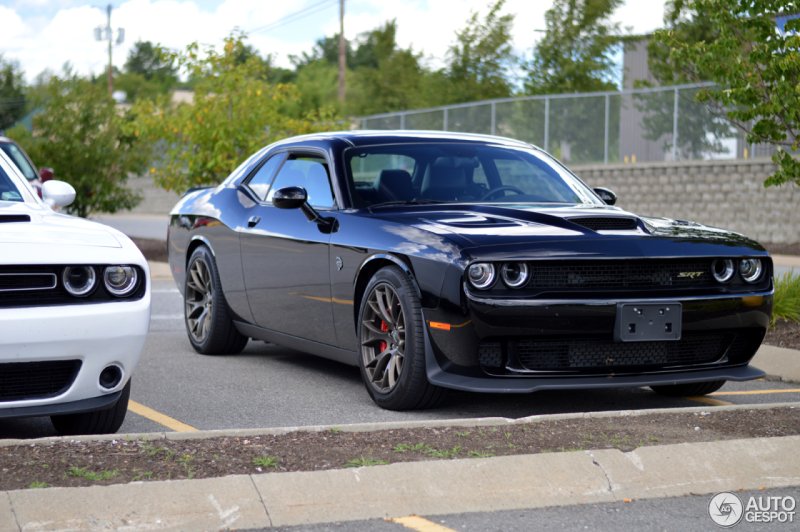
93, 335
455, 358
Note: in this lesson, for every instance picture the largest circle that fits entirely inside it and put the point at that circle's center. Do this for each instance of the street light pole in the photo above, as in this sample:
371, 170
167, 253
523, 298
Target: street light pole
342, 61
107, 34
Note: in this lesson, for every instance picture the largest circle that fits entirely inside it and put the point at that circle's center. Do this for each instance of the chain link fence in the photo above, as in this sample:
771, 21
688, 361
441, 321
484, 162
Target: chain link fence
627, 126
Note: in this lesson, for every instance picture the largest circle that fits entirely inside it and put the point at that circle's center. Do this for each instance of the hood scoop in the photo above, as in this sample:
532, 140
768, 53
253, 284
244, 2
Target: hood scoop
477, 221
10, 218
606, 223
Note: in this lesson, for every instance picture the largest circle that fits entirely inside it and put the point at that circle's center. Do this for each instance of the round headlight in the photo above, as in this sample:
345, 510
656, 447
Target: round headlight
514, 274
750, 269
79, 280
481, 275
722, 269
120, 280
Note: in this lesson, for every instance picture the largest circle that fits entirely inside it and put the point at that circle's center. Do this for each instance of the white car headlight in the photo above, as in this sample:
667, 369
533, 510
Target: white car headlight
120, 280
79, 281
481, 275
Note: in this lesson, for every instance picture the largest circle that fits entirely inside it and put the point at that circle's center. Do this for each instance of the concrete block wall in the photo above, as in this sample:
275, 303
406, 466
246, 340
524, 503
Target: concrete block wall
727, 194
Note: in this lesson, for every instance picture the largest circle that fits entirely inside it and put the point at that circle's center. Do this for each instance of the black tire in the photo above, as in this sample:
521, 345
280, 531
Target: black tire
397, 380
205, 312
106, 421
688, 390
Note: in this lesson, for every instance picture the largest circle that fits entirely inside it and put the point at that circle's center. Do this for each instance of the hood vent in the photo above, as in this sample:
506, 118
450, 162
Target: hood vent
605, 223
8, 218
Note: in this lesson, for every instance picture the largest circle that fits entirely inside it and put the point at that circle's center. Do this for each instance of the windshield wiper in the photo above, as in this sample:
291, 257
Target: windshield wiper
416, 201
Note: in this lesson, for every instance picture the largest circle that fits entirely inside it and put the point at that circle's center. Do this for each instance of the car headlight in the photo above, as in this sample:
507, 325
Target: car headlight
723, 270
750, 269
79, 281
120, 280
481, 275
514, 274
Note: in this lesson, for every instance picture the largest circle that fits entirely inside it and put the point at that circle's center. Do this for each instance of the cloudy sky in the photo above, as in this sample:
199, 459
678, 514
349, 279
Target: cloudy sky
44, 34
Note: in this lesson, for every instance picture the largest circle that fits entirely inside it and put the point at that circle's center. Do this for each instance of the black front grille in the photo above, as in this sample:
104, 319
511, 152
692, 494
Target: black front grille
598, 223
622, 275
598, 354
18, 282
36, 380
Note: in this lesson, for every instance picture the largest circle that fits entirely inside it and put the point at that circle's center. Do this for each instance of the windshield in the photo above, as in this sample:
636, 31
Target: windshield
19, 158
459, 173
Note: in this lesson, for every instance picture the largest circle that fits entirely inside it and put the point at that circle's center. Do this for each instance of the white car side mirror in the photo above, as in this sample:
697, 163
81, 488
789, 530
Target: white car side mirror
57, 193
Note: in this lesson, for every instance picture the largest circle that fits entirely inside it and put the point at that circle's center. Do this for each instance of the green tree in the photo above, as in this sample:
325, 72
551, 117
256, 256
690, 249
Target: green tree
91, 144
577, 52
482, 58
756, 68
234, 113
151, 62
12, 93
700, 127
384, 76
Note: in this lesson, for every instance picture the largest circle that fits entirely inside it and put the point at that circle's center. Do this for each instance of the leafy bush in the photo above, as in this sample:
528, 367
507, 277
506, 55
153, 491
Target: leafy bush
786, 303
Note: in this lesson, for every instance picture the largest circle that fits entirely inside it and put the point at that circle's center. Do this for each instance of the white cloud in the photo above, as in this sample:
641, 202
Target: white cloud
44, 34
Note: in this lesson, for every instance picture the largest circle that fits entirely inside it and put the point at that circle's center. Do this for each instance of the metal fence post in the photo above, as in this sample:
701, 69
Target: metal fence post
546, 122
444, 125
605, 133
494, 118
675, 128
402, 120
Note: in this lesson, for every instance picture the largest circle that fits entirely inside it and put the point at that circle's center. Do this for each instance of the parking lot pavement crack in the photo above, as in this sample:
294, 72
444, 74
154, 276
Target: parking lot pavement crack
7, 495
605, 473
261, 498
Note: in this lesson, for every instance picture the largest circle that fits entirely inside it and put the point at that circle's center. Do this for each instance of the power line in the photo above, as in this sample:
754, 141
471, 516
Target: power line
297, 15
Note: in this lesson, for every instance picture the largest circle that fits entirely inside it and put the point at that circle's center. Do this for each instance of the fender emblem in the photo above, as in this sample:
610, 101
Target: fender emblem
339, 263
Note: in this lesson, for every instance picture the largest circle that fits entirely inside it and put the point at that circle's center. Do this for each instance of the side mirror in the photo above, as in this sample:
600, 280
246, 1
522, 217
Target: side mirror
57, 193
46, 174
606, 195
290, 198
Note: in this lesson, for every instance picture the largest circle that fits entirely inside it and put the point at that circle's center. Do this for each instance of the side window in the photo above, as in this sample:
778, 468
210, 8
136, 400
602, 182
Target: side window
308, 172
260, 181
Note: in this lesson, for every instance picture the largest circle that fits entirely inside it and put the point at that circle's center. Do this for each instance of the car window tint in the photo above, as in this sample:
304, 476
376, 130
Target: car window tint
531, 179
261, 180
16, 155
367, 169
8, 192
311, 173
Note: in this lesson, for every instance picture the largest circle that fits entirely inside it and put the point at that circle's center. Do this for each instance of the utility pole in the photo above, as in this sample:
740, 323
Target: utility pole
107, 34
342, 55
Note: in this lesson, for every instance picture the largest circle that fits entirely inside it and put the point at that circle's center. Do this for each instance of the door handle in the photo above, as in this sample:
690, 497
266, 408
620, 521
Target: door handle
253, 221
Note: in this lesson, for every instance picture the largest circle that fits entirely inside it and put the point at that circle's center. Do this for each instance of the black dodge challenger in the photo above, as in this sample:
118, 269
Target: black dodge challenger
440, 260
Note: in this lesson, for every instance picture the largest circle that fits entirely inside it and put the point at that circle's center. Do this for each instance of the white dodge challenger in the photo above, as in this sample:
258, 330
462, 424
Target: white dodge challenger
74, 311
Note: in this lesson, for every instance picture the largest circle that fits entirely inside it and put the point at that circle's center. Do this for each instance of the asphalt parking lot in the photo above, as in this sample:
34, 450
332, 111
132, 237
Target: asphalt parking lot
268, 386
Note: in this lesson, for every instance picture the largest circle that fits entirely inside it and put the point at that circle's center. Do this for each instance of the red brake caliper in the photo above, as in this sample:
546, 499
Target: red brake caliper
382, 345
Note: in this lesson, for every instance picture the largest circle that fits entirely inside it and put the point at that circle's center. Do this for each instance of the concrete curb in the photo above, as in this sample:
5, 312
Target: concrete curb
484, 484
392, 425
778, 362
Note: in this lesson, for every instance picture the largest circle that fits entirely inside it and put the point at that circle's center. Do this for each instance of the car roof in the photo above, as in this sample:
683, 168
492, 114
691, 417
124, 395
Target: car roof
377, 137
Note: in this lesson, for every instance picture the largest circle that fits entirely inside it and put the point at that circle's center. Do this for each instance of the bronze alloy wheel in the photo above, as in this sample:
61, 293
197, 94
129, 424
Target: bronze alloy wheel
199, 300
383, 338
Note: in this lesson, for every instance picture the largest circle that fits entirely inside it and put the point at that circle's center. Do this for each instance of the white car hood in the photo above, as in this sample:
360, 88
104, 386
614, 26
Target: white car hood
49, 228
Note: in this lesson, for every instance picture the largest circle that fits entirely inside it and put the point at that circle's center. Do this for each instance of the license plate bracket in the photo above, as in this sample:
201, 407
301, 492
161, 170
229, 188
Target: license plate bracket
647, 322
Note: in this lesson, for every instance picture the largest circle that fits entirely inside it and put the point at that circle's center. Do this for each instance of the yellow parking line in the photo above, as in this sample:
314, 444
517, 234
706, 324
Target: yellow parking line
158, 417
415, 522
759, 392
708, 401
